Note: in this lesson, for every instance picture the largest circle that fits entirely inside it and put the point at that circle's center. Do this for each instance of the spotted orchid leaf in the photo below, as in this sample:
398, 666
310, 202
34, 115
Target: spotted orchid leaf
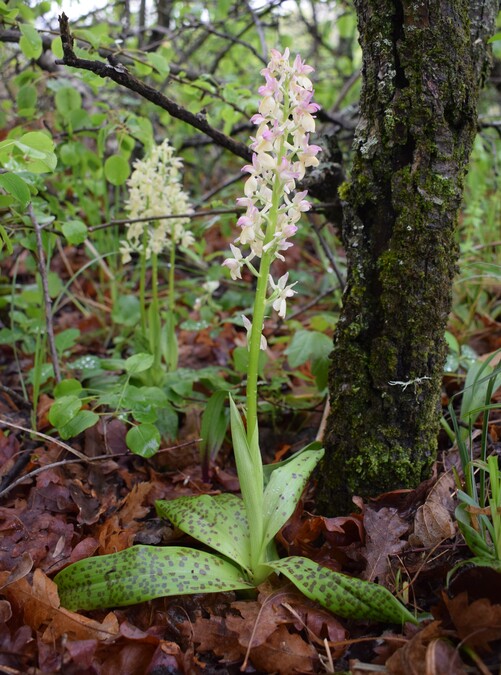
284, 490
343, 595
268, 469
218, 521
142, 573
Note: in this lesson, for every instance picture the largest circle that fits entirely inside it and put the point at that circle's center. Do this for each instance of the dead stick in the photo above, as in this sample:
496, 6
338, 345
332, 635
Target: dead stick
46, 297
119, 74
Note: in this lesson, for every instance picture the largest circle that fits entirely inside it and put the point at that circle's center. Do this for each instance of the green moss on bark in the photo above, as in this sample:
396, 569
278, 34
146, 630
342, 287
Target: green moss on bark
418, 120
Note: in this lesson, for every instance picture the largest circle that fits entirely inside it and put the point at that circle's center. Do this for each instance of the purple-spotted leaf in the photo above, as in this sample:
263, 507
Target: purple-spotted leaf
343, 595
284, 490
218, 521
142, 573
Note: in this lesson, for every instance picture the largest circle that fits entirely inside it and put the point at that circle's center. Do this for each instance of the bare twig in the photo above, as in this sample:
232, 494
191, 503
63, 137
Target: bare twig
259, 30
313, 303
490, 244
260, 14
348, 84
80, 457
119, 74
235, 40
323, 422
39, 434
328, 253
100, 261
49, 327
317, 208
17, 398
196, 214
226, 183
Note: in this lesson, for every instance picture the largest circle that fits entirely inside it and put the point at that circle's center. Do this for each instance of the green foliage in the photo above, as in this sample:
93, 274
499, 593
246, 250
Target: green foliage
213, 429
17, 187
311, 346
219, 522
33, 151
142, 573
479, 489
459, 356
144, 440
30, 42
236, 530
67, 145
116, 169
343, 595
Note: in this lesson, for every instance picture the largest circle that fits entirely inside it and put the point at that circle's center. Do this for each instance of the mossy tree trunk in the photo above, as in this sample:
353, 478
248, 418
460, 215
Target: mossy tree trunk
423, 67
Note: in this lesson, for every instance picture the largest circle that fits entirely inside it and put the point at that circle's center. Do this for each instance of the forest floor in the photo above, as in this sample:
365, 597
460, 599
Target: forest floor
56, 508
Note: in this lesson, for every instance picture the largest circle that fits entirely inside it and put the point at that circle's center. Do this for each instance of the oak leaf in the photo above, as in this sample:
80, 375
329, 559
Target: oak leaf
476, 623
41, 608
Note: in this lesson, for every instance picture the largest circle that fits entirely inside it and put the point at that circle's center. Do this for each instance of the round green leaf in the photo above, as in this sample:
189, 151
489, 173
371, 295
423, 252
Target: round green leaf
71, 153
30, 42
75, 232
26, 98
15, 186
143, 440
67, 99
66, 387
63, 410
83, 420
66, 339
126, 310
138, 363
57, 48
116, 169
35, 150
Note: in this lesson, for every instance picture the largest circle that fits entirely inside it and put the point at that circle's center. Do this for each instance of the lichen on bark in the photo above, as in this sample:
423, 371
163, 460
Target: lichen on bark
422, 72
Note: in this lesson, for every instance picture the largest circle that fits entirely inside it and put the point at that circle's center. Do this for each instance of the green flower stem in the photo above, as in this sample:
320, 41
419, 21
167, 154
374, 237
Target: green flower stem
172, 304
254, 343
155, 316
259, 312
251, 483
142, 286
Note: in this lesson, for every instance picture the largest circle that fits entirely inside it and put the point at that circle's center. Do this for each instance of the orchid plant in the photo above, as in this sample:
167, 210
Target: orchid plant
242, 529
155, 191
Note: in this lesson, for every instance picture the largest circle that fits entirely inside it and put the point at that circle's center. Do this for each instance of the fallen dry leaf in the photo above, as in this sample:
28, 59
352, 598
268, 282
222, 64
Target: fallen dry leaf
442, 658
41, 607
434, 519
425, 650
117, 532
82, 651
384, 529
5, 611
284, 653
256, 621
477, 623
23, 567
32, 528
131, 659
214, 635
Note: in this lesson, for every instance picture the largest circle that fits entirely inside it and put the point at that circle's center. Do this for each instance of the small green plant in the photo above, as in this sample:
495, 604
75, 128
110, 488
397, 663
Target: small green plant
479, 489
140, 406
481, 380
242, 529
155, 192
459, 356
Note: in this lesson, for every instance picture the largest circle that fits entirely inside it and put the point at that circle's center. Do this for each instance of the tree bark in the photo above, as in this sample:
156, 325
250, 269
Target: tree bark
424, 63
